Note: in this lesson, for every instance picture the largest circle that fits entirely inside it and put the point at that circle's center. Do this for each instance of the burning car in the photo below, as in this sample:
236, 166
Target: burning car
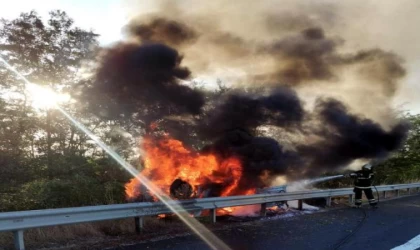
237, 164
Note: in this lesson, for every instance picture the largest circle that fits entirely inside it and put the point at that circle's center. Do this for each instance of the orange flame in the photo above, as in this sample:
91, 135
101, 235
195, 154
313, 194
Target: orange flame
167, 159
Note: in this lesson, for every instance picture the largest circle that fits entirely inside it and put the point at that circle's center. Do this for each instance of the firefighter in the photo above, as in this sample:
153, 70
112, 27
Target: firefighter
363, 182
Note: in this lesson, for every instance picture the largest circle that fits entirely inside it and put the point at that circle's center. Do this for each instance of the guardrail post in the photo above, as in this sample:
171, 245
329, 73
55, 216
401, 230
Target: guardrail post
138, 221
398, 193
418, 189
300, 204
328, 201
384, 194
263, 211
350, 199
213, 215
19, 242
408, 191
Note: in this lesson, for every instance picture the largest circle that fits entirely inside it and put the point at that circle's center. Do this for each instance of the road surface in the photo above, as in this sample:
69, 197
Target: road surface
393, 224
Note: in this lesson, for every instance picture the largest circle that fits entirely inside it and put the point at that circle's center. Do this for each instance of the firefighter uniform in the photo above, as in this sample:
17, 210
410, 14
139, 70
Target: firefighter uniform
363, 183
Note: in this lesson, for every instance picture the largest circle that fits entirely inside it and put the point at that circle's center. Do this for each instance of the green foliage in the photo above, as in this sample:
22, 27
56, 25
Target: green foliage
75, 191
404, 166
94, 182
45, 162
70, 192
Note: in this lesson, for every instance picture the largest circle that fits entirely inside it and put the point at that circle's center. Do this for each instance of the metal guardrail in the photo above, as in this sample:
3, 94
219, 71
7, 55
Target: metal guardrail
22, 220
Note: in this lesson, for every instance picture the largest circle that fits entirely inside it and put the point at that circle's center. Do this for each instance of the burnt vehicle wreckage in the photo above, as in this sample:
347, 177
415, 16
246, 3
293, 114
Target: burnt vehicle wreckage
256, 154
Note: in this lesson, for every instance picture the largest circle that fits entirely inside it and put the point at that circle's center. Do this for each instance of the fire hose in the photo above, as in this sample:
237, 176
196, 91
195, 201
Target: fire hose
358, 226
354, 231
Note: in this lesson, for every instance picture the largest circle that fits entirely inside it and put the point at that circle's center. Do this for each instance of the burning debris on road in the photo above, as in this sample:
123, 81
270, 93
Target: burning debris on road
144, 78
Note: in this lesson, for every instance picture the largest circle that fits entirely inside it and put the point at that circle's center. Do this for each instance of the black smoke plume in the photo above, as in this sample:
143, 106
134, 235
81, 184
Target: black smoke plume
341, 137
162, 30
263, 158
304, 57
146, 77
378, 66
143, 78
312, 56
280, 107
345, 137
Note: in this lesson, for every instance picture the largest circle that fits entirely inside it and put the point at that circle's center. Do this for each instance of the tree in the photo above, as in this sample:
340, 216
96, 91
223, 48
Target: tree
404, 165
46, 54
44, 160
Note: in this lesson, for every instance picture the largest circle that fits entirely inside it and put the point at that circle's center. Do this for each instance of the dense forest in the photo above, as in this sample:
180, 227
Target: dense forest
45, 162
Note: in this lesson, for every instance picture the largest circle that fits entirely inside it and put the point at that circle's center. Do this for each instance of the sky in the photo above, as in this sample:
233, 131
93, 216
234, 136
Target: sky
107, 17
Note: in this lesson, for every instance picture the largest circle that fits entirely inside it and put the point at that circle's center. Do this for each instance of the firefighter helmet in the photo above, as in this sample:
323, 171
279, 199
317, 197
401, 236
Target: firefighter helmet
367, 167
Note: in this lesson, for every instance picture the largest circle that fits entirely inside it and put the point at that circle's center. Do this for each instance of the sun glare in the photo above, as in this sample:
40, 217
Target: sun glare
44, 97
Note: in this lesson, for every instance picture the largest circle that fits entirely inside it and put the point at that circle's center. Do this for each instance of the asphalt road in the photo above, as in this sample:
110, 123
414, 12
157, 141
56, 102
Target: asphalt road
392, 224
